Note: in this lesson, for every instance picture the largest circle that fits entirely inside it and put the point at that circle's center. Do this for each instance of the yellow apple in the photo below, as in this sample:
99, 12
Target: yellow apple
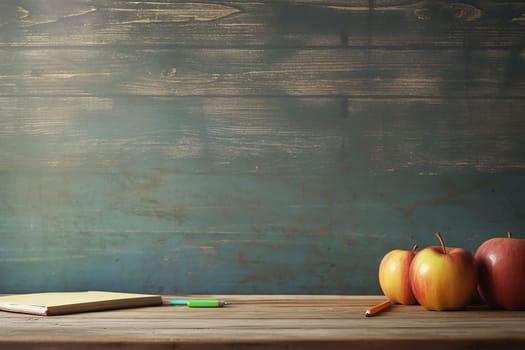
394, 276
443, 278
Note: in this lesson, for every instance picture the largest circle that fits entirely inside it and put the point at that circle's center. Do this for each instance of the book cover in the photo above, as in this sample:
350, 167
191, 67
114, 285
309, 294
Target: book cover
60, 303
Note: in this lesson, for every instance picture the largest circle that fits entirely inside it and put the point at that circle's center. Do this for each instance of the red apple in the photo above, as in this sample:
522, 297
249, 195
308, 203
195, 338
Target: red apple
443, 278
501, 263
393, 276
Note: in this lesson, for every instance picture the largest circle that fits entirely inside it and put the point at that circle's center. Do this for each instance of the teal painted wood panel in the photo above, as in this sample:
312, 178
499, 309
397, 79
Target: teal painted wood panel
269, 248
243, 195
260, 136
252, 147
108, 71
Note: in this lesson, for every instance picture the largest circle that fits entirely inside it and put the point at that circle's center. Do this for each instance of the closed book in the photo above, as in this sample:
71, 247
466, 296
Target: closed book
60, 303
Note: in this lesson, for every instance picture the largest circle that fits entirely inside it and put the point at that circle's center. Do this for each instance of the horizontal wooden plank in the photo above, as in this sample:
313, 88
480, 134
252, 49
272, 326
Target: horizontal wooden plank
219, 72
324, 23
273, 322
188, 136
437, 135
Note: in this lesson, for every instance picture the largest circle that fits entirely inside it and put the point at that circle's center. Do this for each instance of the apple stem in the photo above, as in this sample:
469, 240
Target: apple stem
414, 248
509, 234
438, 235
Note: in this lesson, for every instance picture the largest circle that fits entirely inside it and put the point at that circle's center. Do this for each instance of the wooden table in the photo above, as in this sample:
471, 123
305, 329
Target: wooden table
269, 322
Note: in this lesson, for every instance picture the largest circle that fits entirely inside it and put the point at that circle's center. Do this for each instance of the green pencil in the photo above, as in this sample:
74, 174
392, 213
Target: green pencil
206, 303
199, 303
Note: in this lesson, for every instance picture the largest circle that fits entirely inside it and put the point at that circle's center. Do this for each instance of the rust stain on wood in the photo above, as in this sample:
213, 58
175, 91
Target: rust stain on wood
323, 232
180, 213
410, 211
452, 194
154, 182
256, 278
444, 199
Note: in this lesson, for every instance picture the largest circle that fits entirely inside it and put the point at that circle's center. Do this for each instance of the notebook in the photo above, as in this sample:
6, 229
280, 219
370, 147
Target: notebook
60, 303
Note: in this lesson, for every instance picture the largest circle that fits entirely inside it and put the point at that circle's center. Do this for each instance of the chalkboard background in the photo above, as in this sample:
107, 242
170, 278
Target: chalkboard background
253, 147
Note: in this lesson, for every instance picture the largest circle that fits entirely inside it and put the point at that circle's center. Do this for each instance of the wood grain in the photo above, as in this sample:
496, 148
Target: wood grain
284, 24
328, 322
286, 72
269, 136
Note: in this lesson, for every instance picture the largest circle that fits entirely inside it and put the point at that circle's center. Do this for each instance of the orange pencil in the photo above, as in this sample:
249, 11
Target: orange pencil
374, 310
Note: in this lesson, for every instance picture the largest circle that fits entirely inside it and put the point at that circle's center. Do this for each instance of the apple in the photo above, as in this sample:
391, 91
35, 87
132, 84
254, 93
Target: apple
501, 263
393, 276
443, 278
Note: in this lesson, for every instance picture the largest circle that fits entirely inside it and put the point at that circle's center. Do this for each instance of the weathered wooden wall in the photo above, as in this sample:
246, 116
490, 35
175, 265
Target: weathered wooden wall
238, 147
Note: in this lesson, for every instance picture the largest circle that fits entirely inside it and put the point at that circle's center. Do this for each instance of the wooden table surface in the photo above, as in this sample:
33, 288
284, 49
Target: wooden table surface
269, 322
